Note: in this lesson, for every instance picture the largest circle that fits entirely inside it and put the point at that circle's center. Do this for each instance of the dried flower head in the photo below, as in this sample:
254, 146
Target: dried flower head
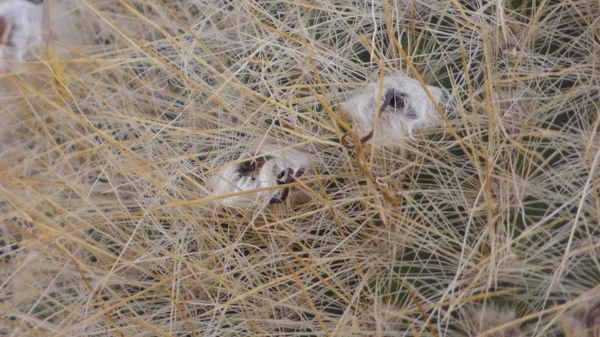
405, 106
269, 166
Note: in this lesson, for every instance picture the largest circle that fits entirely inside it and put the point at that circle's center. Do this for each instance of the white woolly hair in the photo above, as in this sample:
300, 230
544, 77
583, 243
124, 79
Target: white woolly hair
583, 320
416, 110
491, 321
229, 181
20, 27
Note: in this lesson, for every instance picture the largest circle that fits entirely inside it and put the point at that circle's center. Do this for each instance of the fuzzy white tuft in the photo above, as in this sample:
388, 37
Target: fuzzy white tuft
233, 179
20, 28
583, 320
493, 322
414, 109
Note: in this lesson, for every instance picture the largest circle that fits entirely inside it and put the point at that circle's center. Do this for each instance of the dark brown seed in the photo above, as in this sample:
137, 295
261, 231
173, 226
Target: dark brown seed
280, 199
251, 165
392, 99
288, 173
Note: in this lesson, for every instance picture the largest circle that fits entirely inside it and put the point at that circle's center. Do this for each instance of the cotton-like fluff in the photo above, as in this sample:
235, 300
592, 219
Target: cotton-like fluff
46, 31
404, 107
584, 320
268, 166
20, 28
489, 318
